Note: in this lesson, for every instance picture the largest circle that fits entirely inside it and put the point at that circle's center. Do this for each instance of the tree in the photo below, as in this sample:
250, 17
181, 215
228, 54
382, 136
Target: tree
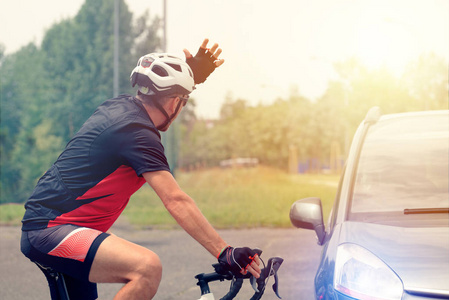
2, 52
21, 110
48, 92
79, 62
320, 131
147, 38
427, 82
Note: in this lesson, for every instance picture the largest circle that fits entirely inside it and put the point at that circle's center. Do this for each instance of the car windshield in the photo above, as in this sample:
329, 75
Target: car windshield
404, 167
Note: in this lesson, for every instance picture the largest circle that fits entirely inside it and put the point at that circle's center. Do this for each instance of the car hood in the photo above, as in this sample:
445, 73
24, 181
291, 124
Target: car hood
420, 256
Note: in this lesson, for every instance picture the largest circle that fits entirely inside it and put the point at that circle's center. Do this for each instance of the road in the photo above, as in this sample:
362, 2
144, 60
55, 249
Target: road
182, 258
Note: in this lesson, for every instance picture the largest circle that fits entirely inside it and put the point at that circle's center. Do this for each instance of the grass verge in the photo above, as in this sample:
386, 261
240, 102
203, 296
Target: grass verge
230, 198
237, 198
11, 213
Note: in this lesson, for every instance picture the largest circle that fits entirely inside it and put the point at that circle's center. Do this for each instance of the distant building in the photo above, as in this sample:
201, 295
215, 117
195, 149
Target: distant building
239, 162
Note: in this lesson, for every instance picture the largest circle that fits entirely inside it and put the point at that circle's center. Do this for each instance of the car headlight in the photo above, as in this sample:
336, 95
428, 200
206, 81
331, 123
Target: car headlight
362, 275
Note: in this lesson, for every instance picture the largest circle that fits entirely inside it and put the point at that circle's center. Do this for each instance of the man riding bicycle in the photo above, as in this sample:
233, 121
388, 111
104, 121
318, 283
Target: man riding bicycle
114, 153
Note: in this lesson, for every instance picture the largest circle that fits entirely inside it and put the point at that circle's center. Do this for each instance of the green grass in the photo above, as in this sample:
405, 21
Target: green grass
11, 214
237, 198
229, 198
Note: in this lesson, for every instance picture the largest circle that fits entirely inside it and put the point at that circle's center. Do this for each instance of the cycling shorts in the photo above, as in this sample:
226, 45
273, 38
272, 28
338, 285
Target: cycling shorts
67, 249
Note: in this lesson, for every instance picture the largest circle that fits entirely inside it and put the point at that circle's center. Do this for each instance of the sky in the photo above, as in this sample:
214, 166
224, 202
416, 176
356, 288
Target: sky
270, 47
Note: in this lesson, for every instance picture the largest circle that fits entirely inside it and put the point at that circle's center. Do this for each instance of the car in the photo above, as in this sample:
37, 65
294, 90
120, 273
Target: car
387, 236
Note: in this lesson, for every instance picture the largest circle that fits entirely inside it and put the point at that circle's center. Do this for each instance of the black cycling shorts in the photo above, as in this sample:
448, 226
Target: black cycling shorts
67, 249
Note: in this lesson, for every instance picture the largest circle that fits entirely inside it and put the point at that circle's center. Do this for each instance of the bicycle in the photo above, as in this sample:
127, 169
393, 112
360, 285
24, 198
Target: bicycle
58, 288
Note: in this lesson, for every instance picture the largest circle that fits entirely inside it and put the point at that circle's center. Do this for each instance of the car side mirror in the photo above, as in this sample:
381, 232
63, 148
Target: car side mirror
308, 214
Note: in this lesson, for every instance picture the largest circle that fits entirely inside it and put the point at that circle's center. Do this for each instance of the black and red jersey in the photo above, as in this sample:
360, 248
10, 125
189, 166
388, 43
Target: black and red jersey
101, 167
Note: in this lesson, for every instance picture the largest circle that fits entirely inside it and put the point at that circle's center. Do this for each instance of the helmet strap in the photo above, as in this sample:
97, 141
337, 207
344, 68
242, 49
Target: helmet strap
168, 118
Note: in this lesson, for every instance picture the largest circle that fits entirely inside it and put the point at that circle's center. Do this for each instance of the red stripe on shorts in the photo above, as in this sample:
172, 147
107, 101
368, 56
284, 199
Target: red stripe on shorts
76, 244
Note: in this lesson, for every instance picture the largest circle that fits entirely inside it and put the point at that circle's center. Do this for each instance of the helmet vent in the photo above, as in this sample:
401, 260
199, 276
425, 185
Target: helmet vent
176, 67
159, 71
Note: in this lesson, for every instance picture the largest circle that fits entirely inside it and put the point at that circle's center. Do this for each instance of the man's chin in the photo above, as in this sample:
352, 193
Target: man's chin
164, 129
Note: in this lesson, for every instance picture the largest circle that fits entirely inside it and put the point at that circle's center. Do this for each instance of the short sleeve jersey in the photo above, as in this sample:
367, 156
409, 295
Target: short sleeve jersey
93, 179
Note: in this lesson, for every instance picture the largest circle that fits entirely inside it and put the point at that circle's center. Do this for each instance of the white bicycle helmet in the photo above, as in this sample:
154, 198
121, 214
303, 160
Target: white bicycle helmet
162, 74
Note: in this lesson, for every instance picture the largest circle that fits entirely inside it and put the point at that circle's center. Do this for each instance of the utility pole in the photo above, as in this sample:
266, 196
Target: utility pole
169, 138
164, 41
116, 88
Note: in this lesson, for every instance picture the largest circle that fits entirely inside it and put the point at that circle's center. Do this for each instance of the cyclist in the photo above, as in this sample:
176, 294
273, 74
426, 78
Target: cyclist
114, 153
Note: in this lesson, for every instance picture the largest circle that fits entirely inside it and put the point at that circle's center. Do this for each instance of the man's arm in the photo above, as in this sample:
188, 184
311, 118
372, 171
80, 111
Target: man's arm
185, 211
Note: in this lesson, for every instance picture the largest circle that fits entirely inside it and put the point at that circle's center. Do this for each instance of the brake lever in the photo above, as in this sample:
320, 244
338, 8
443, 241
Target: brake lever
253, 282
271, 269
276, 265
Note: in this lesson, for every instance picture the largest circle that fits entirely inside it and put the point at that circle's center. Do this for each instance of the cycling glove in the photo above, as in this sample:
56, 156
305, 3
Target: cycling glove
237, 260
202, 65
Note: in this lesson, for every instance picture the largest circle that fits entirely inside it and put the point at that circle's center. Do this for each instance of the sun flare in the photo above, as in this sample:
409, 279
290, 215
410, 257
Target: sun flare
383, 42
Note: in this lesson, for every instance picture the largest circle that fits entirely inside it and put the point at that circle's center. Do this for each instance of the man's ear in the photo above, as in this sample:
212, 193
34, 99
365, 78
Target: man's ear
173, 103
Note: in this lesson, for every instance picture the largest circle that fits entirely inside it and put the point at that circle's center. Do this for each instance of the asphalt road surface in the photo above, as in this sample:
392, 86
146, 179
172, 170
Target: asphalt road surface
182, 258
